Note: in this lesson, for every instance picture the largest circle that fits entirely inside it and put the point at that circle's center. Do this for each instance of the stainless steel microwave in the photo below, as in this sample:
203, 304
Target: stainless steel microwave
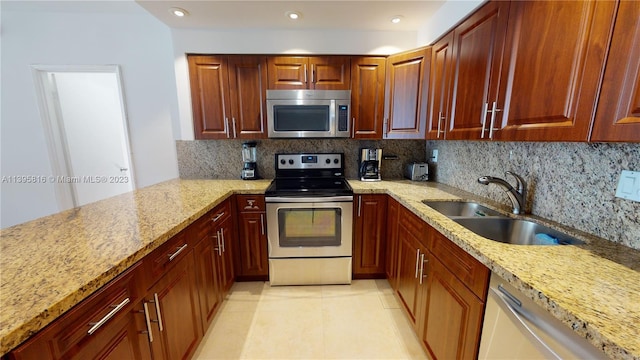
309, 113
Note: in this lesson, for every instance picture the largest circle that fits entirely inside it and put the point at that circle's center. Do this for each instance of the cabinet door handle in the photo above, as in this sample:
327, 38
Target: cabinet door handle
485, 108
417, 261
494, 110
384, 125
178, 251
313, 78
217, 248
226, 126
112, 313
222, 240
422, 261
353, 127
233, 123
147, 321
218, 217
262, 223
305, 73
156, 302
359, 204
440, 119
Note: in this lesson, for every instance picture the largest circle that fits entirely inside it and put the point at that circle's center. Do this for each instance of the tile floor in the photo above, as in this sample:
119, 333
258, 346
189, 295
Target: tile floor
358, 321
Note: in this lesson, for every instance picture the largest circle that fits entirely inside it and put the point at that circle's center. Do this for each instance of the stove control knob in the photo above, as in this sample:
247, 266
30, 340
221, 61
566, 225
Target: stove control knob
335, 161
282, 161
328, 161
290, 161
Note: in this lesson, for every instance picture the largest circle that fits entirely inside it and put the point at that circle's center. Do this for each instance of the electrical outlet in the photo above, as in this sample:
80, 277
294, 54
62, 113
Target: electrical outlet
629, 185
434, 155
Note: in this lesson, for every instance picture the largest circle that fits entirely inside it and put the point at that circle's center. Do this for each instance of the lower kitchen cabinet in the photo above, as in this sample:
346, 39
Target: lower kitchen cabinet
205, 267
453, 316
252, 260
442, 289
106, 326
391, 262
369, 246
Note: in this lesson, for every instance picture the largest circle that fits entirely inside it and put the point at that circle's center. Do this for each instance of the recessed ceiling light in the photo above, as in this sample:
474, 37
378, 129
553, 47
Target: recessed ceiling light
396, 19
293, 15
179, 12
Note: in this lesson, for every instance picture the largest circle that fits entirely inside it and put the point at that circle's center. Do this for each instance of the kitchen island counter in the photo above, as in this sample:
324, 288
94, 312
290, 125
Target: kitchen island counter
50, 264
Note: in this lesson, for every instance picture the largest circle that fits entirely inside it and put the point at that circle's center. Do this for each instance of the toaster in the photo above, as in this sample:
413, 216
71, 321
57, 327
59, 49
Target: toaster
417, 171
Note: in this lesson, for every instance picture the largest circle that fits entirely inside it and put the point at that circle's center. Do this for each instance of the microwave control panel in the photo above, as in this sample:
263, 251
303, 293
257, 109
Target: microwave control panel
343, 117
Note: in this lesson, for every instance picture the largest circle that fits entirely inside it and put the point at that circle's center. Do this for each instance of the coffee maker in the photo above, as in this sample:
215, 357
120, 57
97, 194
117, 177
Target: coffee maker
249, 158
370, 160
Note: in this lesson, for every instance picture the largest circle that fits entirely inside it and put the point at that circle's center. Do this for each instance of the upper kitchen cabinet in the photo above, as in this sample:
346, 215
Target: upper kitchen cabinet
367, 96
553, 60
228, 96
314, 72
406, 94
475, 70
441, 59
618, 113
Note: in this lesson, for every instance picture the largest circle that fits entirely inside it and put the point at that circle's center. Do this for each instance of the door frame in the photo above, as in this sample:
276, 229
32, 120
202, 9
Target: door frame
65, 192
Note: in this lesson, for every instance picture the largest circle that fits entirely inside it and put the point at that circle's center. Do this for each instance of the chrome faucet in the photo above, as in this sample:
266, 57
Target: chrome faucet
517, 196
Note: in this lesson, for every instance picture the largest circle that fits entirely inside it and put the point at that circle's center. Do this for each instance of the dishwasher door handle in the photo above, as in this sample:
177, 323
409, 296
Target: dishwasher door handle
530, 322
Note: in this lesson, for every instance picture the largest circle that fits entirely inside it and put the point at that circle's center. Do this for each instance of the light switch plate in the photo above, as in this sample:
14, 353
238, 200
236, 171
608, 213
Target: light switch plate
434, 155
629, 185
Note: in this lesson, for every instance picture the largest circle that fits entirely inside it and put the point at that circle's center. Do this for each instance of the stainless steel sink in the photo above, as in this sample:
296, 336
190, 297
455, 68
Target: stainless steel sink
454, 209
516, 231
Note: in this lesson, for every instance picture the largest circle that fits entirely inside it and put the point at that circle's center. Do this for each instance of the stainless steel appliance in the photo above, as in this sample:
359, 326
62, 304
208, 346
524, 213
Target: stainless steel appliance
417, 171
249, 158
370, 161
517, 328
309, 220
308, 113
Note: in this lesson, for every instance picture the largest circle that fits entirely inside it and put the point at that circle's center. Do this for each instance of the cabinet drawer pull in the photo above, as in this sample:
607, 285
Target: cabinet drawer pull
147, 321
156, 302
116, 308
417, 260
180, 249
262, 223
218, 217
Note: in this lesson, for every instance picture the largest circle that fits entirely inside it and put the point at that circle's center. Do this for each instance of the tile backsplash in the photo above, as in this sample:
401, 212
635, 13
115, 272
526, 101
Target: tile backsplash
222, 159
571, 183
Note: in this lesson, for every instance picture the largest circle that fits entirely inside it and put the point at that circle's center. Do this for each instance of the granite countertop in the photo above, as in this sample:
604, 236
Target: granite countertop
50, 264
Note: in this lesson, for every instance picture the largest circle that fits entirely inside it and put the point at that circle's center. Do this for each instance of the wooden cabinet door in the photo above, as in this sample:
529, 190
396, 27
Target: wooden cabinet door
226, 274
370, 236
367, 96
441, 65
330, 72
411, 256
554, 58
210, 299
174, 308
618, 113
453, 318
253, 245
287, 72
406, 94
248, 89
477, 58
209, 79
391, 262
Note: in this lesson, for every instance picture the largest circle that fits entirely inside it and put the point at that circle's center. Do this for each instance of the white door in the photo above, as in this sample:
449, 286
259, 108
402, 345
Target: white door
88, 132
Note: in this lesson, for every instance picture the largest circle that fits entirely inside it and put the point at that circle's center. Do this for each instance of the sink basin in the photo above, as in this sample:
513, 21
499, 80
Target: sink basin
516, 231
455, 209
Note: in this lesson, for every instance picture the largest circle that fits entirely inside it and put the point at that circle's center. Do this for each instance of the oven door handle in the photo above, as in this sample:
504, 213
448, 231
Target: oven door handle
277, 199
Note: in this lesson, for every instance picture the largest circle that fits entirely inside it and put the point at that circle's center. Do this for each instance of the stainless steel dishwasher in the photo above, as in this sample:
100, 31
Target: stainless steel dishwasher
517, 328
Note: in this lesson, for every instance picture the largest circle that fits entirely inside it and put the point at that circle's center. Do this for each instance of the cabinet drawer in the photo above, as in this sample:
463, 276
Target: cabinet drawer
250, 203
220, 213
162, 258
416, 226
465, 267
87, 321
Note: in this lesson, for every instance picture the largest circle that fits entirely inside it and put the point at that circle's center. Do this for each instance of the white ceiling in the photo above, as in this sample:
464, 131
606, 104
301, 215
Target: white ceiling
356, 15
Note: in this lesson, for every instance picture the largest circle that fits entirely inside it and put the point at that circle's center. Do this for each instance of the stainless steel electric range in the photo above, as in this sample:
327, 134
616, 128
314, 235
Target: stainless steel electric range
309, 220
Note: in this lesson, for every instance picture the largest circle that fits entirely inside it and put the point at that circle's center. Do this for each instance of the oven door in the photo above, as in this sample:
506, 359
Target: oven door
309, 227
